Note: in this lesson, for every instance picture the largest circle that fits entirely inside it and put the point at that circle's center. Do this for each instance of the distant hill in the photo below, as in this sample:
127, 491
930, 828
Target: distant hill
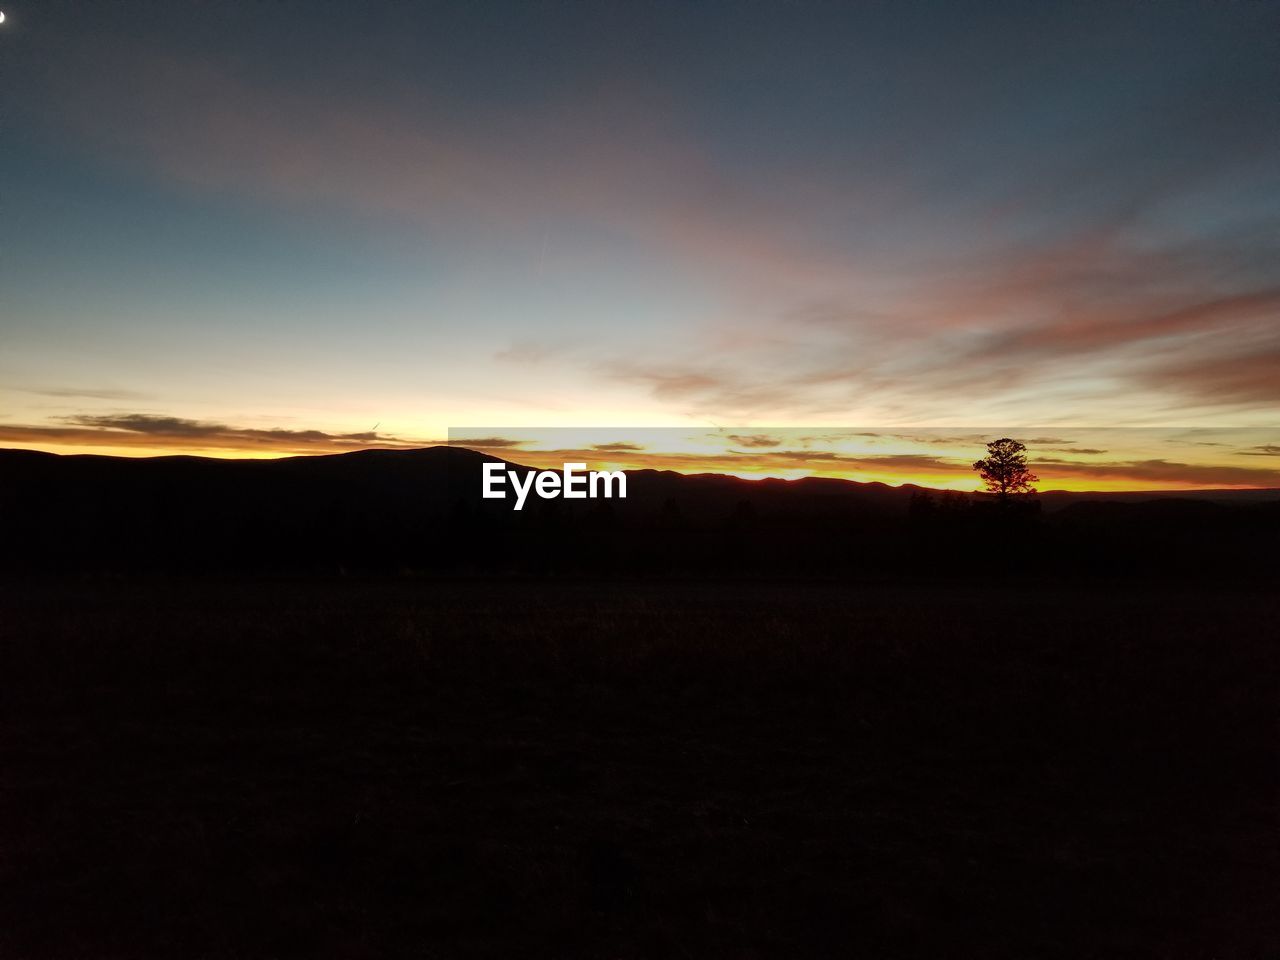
422, 509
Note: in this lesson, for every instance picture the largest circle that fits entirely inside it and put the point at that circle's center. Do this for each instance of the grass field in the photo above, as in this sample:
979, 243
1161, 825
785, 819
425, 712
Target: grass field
349, 769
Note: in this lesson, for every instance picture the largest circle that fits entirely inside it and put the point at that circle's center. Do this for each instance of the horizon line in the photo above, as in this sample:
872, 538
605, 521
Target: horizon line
746, 476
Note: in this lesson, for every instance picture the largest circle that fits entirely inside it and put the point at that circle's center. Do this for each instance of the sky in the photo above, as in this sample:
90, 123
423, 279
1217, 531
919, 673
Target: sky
264, 229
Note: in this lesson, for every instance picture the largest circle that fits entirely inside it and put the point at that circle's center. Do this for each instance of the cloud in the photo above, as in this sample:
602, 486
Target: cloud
754, 440
666, 382
1090, 330
156, 432
1244, 376
1266, 450
725, 392
1086, 362
487, 443
611, 158
103, 393
1079, 273
153, 425
1160, 472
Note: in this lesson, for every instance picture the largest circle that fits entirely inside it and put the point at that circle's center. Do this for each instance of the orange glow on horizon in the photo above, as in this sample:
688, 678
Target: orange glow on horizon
1069, 476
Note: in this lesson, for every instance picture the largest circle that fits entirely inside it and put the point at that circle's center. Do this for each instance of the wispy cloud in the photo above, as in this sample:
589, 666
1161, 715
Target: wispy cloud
159, 433
754, 440
89, 393
1143, 472
490, 443
892, 280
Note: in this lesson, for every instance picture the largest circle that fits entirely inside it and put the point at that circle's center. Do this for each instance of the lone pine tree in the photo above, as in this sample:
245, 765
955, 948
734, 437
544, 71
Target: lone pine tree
1004, 469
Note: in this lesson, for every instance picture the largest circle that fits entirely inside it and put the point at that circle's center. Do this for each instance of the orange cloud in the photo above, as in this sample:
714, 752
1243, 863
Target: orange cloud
141, 433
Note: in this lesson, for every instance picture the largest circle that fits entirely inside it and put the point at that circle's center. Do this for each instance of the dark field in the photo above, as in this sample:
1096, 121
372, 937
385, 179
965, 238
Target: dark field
353, 769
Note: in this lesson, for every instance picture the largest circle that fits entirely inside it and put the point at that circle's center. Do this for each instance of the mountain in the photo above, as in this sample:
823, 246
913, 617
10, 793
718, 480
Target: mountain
423, 510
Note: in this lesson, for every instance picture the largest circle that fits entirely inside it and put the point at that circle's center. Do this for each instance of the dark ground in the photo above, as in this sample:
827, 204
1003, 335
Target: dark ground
347, 769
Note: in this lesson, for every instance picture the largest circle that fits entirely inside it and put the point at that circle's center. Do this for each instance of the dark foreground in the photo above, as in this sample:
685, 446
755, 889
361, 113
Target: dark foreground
384, 769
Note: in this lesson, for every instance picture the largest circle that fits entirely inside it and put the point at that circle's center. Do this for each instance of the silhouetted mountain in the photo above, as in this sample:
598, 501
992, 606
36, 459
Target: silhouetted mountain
423, 510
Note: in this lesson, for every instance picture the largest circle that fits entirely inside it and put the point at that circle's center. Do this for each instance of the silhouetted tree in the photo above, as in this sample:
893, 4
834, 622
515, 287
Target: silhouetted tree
1004, 469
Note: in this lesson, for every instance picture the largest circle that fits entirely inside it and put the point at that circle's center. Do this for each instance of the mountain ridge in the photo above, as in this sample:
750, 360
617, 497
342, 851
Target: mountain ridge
462, 454
422, 509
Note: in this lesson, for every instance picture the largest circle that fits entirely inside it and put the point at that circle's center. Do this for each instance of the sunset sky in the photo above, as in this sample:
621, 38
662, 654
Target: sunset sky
258, 229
